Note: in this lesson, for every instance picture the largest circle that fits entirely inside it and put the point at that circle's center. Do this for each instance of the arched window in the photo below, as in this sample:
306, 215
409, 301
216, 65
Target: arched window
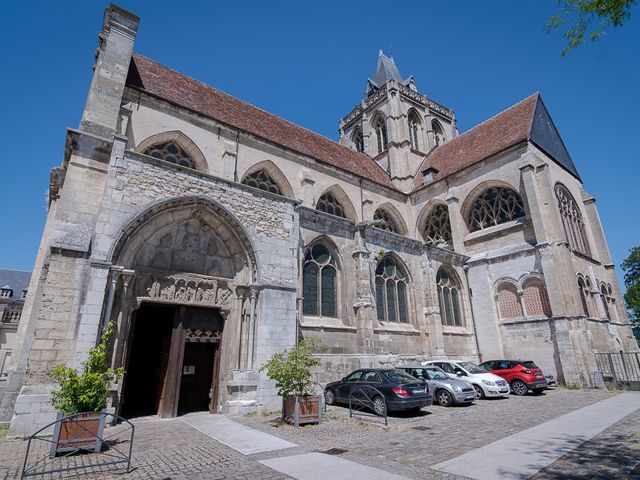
414, 129
391, 292
605, 300
536, 298
380, 126
262, 180
494, 206
358, 140
438, 228
319, 282
584, 294
509, 305
328, 203
572, 220
438, 133
170, 152
385, 221
449, 298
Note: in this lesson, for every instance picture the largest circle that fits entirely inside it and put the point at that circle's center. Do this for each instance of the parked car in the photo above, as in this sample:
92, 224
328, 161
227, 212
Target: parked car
446, 391
398, 389
522, 375
486, 384
551, 381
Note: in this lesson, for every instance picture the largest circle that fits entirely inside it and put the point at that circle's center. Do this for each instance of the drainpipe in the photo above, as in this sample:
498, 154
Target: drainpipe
473, 317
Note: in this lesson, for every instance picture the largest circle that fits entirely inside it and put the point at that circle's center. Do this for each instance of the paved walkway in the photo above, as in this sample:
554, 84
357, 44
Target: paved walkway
525, 453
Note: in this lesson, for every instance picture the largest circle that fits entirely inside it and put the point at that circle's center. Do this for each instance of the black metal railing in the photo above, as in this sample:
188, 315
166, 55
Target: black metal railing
621, 370
366, 397
79, 442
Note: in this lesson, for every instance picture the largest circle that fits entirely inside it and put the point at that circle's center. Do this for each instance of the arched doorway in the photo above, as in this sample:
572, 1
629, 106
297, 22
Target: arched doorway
185, 307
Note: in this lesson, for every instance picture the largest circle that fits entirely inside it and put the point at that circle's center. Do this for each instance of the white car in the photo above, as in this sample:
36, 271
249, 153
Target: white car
486, 384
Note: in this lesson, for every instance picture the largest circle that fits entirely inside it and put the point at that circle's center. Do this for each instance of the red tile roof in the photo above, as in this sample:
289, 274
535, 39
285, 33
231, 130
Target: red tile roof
505, 130
167, 84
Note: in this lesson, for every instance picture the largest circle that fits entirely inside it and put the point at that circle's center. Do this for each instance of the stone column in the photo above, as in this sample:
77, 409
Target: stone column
253, 298
432, 306
458, 230
364, 305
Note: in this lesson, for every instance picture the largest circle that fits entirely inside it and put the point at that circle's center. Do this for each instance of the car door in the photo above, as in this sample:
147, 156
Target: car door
506, 370
369, 381
345, 387
449, 369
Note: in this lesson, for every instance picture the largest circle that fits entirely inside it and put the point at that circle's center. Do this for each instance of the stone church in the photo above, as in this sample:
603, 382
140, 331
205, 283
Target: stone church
214, 234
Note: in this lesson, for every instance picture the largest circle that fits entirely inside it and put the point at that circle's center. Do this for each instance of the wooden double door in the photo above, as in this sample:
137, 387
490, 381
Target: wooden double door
174, 361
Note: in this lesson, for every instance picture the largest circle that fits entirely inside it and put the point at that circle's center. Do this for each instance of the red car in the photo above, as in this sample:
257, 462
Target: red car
522, 375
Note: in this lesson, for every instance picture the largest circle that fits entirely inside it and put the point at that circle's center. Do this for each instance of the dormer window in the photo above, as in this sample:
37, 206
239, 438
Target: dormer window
6, 292
427, 176
24, 293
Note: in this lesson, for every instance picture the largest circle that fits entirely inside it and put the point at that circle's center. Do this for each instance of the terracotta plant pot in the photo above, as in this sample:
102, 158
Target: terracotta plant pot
81, 432
301, 410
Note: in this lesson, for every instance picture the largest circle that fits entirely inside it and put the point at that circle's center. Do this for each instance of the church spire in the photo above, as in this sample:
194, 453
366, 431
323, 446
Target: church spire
387, 70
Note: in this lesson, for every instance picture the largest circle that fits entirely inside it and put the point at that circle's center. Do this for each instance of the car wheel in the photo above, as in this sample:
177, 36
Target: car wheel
379, 406
330, 397
519, 387
444, 398
479, 391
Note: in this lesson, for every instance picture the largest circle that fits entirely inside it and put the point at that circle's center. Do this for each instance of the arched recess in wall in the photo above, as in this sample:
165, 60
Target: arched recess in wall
390, 219
492, 203
535, 297
265, 175
191, 234
414, 125
434, 224
572, 220
438, 133
321, 279
358, 140
165, 139
508, 299
335, 201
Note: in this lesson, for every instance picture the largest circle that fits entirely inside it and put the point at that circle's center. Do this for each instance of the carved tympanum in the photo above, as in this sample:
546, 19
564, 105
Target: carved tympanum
184, 288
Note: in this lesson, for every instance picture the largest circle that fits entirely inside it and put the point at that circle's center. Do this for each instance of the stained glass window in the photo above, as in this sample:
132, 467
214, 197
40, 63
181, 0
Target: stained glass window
449, 297
391, 292
328, 203
319, 285
438, 228
384, 221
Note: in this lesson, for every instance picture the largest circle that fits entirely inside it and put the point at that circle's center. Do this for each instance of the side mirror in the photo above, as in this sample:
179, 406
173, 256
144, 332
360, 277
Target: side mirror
460, 373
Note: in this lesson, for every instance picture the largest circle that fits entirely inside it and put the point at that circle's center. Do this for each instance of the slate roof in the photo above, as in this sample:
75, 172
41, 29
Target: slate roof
17, 280
162, 82
386, 70
526, 120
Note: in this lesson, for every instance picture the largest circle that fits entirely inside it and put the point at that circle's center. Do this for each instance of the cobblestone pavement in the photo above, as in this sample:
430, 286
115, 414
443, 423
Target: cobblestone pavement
614, 453
407, 446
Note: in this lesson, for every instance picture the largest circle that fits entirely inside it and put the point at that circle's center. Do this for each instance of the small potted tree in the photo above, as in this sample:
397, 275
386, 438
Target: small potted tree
81, 399
291, 370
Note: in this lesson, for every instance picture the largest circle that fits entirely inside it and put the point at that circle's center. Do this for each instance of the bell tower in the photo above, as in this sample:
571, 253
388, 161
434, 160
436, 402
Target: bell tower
395, 124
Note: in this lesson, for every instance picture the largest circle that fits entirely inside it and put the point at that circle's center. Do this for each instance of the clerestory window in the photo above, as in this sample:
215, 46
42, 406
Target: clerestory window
384, 221
494, 206
262, 180
438, 227
170, 152
328, 203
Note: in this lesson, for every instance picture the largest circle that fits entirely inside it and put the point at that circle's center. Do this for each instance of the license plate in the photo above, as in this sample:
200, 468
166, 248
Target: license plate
538, 375
504, 391
418, 390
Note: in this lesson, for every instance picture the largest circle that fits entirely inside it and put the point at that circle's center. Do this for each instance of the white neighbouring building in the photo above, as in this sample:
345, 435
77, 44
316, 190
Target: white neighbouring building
214, 234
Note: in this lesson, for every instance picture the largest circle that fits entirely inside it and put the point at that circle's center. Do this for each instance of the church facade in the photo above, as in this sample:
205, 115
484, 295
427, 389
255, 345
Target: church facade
213, 234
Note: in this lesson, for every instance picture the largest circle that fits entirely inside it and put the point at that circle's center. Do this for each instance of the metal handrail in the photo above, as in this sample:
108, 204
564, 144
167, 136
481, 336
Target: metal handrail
83, 441
324, 400
367, 401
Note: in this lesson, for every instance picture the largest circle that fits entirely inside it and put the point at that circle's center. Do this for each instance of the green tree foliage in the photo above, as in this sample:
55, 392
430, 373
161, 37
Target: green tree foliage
86, 391
631, 268
291, 369
588, 19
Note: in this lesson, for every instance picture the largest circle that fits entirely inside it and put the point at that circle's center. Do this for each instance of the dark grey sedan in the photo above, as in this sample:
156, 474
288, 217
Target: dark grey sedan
446, 391
381, 390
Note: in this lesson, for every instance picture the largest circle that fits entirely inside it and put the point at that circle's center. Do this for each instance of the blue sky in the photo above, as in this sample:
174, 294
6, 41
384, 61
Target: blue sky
308, 62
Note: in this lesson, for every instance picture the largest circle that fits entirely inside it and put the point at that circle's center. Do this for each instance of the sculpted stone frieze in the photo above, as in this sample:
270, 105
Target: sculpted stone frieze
376, 96
184, 288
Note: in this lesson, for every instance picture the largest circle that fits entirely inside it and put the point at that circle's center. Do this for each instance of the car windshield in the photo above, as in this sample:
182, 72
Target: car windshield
472, 367
399, 376
436, 374
529, 364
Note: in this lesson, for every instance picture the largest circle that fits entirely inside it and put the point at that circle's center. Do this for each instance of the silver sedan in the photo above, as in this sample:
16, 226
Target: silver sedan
446, 391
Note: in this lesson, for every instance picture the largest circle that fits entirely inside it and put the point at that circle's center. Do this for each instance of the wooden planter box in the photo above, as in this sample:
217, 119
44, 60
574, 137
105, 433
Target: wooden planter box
301, 410
78, 432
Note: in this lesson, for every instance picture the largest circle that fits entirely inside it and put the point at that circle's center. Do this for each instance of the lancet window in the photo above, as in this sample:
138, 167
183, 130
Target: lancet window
391, 292
319, 282
438, 133
358, 141
449, 294
380, 126
414, 129
328, 203
572, 221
